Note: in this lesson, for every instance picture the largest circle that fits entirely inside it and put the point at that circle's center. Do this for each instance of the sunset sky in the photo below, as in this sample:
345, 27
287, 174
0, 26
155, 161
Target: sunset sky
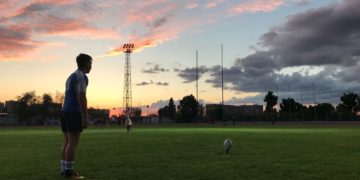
268, 45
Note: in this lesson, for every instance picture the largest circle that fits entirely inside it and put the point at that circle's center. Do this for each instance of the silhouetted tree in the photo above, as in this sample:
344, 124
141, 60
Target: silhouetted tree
325, 111
171, 109
98, 114
26, 108
290, 108
46, 105
163, 112
202, 110
271, 101
188, 108
351, 103
343, 113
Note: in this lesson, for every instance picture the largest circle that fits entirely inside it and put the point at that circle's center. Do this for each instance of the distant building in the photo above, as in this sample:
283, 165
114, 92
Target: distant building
10, 106
250, 109
7, 119
233, 113
2, 107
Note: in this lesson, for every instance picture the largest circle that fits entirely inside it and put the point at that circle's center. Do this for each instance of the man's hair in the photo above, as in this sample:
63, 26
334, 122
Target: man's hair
82, 60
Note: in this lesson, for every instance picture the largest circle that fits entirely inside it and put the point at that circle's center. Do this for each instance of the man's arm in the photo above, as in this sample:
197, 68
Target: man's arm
82, 100
83, 106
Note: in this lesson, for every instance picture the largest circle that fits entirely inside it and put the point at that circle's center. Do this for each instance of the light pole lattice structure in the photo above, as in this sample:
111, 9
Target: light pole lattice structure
127, 95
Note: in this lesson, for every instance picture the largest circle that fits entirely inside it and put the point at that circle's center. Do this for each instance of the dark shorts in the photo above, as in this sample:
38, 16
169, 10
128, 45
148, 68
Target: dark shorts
71, 122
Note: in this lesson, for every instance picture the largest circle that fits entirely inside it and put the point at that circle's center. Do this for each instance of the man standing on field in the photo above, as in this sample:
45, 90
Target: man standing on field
128, 123
74, 114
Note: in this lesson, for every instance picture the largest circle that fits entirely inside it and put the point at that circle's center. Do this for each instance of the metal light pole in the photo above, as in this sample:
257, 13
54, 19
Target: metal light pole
127, 95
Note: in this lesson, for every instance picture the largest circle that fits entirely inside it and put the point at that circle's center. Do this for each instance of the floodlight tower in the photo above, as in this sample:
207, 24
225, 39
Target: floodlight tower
127, 96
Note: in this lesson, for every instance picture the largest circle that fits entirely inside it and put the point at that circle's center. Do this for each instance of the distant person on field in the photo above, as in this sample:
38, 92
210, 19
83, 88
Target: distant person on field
74, 116
128, 123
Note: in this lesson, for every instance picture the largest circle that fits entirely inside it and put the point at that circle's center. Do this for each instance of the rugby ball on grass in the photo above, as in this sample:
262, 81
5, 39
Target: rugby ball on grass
227, 146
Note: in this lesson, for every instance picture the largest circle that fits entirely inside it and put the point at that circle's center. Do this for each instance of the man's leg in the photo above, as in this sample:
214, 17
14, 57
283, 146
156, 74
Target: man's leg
72, 142
63, 151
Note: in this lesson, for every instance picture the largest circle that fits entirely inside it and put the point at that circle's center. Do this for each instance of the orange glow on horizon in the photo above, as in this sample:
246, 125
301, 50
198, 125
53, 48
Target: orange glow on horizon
144, 111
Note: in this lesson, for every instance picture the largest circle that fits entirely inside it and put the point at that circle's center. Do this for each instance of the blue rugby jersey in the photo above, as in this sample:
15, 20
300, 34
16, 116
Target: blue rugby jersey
76, 83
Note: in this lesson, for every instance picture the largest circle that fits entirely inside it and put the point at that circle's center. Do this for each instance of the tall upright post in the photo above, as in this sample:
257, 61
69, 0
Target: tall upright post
147, 113
197, 88
222, 82
277, 113
290, 103
197, 78
127, 94
302, 106
314, 101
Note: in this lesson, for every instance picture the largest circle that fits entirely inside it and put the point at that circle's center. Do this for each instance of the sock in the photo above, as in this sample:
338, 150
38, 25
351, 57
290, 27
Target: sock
62, 165
69, 167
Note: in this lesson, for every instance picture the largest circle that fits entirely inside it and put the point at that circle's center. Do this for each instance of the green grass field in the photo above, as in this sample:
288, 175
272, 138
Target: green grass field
187, 152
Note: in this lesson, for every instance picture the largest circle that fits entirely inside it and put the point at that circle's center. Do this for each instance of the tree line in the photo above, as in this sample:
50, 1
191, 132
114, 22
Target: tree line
188, 110
33, 109
291, 110
29, 106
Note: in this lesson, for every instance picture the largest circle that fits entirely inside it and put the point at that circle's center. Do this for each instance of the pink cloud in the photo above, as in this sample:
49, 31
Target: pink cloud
149, 40
144, 23
15, 40
148, 14
71, 28
256, 6
40, 18
154, 25
157, 22
49, 17
214, 3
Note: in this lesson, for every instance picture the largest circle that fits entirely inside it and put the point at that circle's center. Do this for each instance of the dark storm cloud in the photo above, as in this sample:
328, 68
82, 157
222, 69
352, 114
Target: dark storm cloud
250, 74
328, 37
306, 97
329, 84
189, 74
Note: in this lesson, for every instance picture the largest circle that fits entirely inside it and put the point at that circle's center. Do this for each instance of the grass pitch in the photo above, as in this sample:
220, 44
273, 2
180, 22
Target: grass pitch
186, 152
